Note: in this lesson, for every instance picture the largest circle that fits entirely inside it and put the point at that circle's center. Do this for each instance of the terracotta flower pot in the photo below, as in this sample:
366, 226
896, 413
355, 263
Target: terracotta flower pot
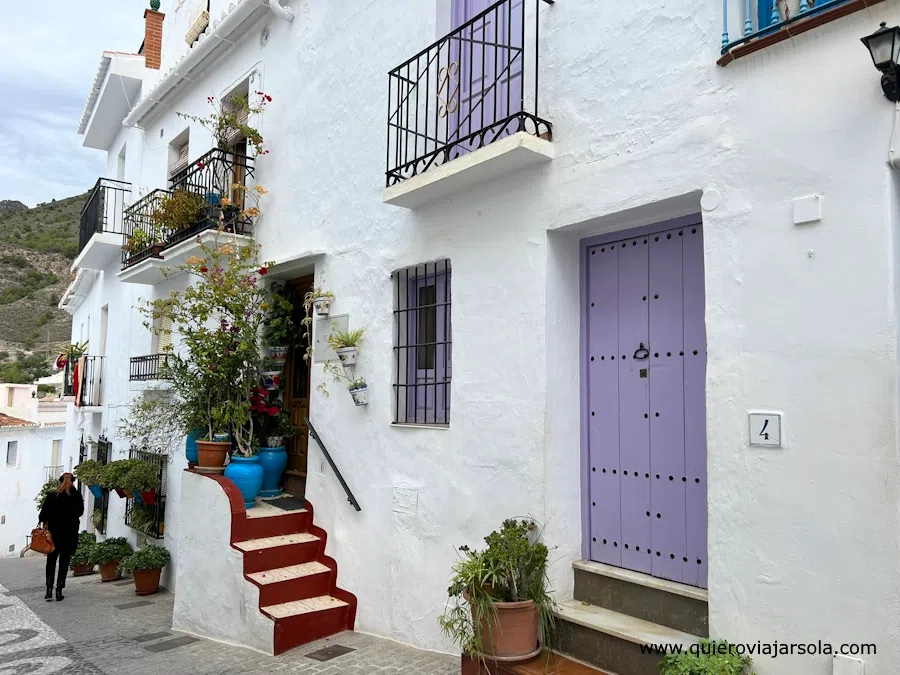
212, 454
82, 570
514, 632
146, 582
110, 571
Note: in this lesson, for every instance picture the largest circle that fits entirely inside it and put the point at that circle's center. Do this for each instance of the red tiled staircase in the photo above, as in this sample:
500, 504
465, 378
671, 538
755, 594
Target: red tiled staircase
284, 555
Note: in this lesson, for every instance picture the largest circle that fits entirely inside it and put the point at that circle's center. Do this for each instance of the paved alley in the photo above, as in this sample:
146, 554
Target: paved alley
105, 629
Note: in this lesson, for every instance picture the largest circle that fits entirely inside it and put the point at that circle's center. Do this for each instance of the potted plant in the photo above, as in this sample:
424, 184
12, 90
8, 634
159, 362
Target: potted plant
81, 562
274, 424
142, 480
112, 475
71, 354
359, 390
345, 344
279, 323
320, 299
108, 554
708, 656
271, 379
499, 606
48, 487
177, 211
145, 566
97, 518
88, 472
137, 242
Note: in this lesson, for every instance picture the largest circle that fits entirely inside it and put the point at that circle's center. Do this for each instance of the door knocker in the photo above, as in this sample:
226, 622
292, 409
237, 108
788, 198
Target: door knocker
641, 353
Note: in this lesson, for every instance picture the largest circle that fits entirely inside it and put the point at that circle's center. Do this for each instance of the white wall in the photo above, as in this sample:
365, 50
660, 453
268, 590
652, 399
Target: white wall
802, 541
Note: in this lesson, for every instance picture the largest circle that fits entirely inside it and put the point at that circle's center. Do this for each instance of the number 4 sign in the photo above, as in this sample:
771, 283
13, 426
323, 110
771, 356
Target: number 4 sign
765, 429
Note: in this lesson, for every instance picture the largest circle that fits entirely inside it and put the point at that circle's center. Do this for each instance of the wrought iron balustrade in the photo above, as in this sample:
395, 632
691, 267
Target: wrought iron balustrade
150, 367
141, 230
83, 379
104, 209
214, 177
141, 515
753, 19
472, 87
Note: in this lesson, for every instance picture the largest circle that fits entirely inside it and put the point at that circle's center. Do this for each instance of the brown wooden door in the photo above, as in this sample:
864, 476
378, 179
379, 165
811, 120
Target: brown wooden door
296, 395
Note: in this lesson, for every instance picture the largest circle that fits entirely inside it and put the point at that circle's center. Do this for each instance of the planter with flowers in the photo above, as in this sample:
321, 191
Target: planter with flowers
112, 475
219, 319
274, 424
81, 561
108, 554
145, 566
359, 390
88, 472
142, 480
279, 322
319, 299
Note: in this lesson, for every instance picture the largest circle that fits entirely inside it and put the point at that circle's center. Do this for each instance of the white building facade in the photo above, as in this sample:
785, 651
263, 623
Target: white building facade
672, 282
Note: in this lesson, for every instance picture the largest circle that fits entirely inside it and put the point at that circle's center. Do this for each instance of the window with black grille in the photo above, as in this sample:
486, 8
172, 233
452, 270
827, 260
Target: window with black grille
422, 344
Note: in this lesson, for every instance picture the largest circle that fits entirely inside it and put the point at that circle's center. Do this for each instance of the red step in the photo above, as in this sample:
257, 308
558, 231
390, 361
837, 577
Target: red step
297, 582
270, 553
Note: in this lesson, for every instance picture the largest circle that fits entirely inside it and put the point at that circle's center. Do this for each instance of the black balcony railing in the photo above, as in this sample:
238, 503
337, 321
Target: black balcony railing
104, 209
143, 516
141, 231
214, 177
83, 379
473, 87
151, 367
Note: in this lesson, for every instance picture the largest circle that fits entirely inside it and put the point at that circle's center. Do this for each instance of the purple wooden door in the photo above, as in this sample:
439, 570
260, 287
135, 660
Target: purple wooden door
645, 346
490, 66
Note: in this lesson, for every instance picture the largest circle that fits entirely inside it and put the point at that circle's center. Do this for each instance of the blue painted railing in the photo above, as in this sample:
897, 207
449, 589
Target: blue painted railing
768, 19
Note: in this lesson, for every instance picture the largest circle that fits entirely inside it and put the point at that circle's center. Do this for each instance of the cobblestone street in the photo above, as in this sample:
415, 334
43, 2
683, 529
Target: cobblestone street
104, 629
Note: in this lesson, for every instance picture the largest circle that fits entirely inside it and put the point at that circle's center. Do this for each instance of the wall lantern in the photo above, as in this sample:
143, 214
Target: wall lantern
884, 46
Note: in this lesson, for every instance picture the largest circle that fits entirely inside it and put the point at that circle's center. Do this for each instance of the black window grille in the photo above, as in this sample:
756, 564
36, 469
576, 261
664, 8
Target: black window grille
422, 344
141, 515
101, 506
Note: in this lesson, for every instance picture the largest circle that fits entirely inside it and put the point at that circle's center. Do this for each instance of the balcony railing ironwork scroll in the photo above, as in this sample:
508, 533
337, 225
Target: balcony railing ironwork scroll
141, 226
472, 87
104, 209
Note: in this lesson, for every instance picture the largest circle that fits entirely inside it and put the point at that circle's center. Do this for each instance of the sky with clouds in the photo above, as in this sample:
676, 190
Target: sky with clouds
51, 50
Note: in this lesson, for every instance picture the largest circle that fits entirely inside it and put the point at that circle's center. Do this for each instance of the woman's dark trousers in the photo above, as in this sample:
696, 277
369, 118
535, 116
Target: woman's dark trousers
63, 569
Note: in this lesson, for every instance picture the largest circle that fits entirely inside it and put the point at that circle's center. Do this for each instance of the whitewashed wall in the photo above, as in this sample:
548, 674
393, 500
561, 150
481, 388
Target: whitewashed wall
801, 320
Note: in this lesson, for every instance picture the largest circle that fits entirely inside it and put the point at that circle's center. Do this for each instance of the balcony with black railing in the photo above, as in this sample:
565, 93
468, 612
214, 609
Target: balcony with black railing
477, 86
102, 223
83, 380
150, 368
205, 198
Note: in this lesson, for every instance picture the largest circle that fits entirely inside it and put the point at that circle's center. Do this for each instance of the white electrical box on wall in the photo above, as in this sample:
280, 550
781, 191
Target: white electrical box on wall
325, 326
765, 429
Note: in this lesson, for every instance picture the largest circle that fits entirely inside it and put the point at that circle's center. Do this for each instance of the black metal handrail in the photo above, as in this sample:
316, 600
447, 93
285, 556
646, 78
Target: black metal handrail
103, 211
140, 224
465, 91
337, 472
150, 367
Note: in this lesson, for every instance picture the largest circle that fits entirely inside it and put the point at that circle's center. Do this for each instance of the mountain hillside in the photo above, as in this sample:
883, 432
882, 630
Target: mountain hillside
37, 247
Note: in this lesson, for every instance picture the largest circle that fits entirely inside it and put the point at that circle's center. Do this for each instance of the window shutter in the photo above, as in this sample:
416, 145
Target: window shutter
181, 163
164, 341
237, 136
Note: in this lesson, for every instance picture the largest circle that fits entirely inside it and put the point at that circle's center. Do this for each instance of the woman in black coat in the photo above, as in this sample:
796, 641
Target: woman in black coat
61, 513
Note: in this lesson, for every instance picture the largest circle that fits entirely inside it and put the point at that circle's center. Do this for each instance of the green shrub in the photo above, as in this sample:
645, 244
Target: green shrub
115, 549
49, 486
87, 541
142, 476
708, 657
89, 472
113, 474
147, 557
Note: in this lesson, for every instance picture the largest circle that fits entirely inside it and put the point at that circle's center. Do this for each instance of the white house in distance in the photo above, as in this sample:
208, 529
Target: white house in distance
618, 271
31, 453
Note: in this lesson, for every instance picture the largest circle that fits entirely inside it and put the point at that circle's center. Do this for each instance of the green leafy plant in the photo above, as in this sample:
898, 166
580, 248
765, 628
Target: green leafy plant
71, 353
88, 472
97, 518
48, 487
113, 474
141, 518
177, 211
346, 338
229, 119
142, 477
85, 551
219, 319
279, 322
155, 420
358, 383
148, 557
309, 303
114, 549
708, 657
512, 568
138, 241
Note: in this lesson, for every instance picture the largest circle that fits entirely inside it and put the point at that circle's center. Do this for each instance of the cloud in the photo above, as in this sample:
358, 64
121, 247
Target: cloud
51, 51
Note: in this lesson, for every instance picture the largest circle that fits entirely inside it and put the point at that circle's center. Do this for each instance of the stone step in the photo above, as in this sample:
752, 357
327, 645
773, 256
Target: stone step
268, 553
547, 663
295, 582
642, 596
292, 572
612, 640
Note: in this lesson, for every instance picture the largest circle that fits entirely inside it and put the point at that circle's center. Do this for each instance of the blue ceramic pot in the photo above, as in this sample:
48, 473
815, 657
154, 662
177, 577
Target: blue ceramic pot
97, 491
247, 474
190, 448
273, 461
